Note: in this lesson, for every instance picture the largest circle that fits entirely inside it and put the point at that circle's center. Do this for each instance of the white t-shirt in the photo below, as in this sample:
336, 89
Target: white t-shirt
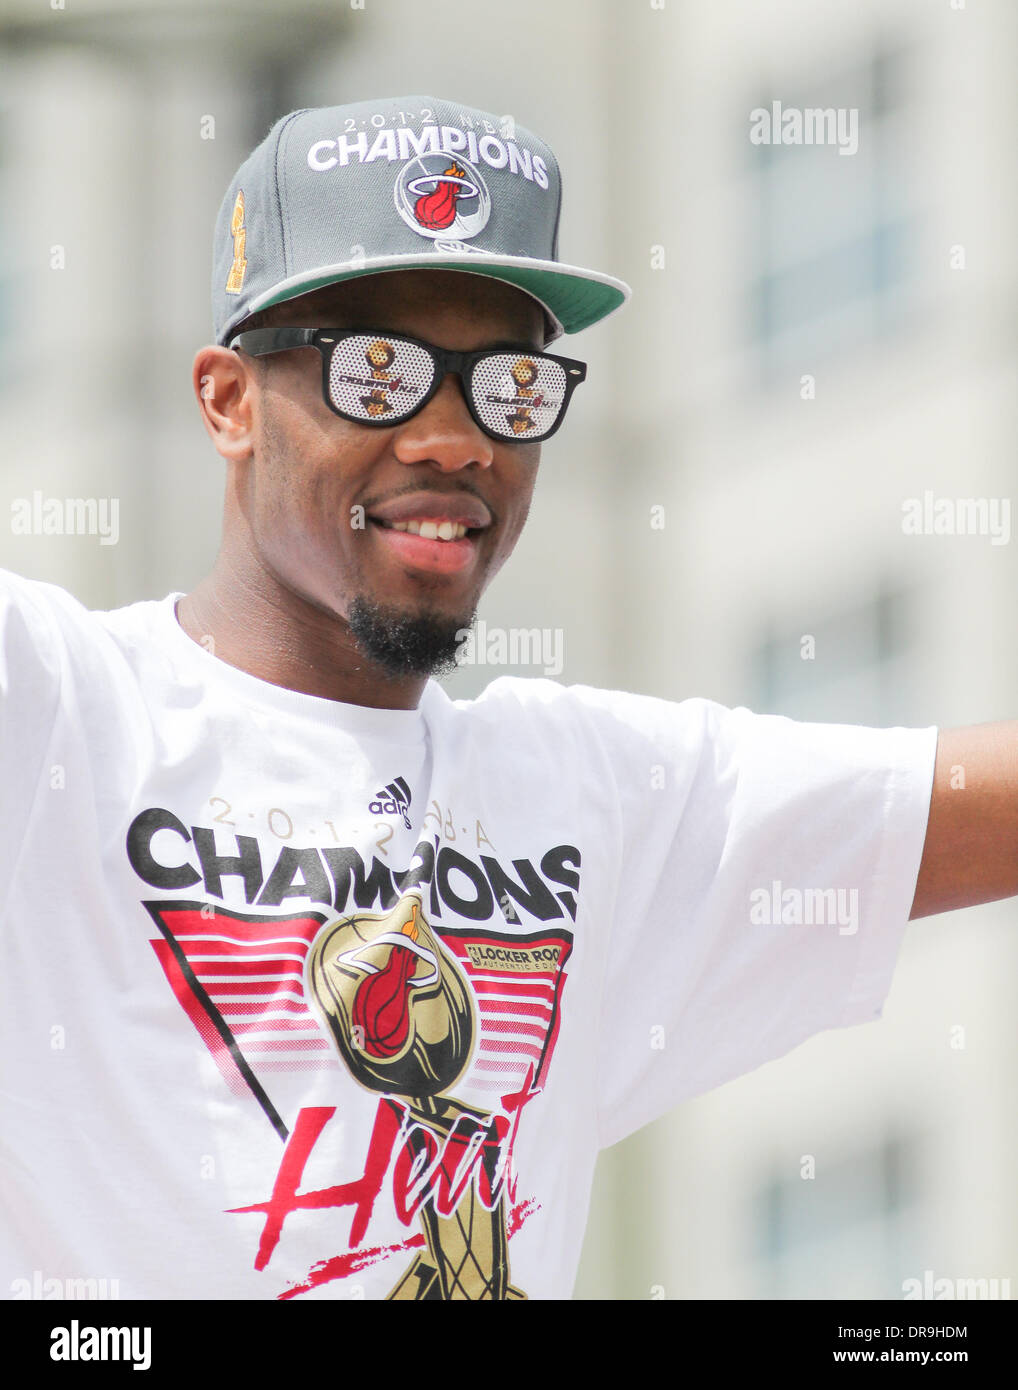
314, 1000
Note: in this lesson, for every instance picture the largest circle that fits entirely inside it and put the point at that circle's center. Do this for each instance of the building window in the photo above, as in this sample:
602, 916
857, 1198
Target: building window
851, 1231
830, 236
7, 268
850, 668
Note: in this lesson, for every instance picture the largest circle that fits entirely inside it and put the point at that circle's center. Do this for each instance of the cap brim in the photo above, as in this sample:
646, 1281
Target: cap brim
574, 298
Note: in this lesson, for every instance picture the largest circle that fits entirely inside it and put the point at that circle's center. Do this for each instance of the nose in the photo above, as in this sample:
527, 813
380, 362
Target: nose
444, 433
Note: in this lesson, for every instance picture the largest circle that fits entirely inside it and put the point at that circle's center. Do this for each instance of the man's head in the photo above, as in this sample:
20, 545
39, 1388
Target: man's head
312, 498
411, 215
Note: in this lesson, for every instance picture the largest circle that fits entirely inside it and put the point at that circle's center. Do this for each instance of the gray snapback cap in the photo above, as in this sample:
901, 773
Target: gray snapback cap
398, 183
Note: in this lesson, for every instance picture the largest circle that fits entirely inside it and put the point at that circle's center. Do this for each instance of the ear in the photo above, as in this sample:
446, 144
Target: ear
226, 387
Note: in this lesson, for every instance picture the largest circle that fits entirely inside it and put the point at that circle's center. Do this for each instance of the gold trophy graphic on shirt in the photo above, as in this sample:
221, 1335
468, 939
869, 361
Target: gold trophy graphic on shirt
402, 1017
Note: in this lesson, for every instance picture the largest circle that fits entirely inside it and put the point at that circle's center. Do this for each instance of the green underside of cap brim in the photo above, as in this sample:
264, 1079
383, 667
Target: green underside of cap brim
575, 301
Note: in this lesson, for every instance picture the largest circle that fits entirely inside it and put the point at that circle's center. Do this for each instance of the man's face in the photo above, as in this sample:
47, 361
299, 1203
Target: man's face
320, 494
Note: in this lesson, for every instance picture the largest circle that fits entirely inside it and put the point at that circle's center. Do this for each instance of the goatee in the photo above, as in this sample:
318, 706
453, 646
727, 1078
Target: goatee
406, 643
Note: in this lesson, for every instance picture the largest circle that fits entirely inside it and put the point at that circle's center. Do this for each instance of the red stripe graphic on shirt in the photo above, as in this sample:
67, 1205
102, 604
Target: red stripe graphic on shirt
265, 959
239, 978
519, 1005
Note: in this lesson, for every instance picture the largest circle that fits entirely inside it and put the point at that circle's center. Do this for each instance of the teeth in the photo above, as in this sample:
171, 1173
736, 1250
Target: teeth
431, 530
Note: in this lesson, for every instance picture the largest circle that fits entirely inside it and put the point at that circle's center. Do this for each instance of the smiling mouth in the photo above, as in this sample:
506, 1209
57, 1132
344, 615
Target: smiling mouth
432, 530
440, 547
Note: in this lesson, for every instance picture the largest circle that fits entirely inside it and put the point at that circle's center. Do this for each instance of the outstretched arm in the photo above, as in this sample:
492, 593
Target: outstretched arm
971, 850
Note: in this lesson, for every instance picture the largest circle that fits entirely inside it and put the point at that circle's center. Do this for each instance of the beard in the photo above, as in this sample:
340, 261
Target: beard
405, 643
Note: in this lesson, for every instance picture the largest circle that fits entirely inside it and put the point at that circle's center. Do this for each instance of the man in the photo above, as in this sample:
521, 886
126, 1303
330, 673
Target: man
318, 983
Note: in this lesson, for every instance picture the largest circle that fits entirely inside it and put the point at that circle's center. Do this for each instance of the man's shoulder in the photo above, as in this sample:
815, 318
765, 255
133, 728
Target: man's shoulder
34, 595
35, 616
57, 623
538, 700
45, 597
507, 696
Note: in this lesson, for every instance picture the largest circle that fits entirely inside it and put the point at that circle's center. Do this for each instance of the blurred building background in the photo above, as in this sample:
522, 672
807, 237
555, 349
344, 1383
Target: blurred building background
813, 340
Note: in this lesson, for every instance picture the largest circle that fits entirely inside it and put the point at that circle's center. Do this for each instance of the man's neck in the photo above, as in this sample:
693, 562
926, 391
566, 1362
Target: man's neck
277, 636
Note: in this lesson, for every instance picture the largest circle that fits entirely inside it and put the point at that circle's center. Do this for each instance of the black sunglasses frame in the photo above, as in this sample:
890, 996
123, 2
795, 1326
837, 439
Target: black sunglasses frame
260, 342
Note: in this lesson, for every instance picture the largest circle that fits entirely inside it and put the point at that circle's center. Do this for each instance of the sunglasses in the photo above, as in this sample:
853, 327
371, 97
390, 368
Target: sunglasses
381, 379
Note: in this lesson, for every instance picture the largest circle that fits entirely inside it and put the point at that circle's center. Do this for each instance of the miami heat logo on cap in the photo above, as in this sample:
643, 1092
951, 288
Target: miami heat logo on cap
442, 195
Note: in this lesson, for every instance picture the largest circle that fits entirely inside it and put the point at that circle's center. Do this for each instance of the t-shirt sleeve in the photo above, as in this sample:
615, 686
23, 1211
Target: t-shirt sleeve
768, 871
30, 685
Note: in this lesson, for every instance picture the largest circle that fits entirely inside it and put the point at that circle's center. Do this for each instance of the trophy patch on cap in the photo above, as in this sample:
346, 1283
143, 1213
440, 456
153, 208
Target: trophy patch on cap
235, 279
442, 195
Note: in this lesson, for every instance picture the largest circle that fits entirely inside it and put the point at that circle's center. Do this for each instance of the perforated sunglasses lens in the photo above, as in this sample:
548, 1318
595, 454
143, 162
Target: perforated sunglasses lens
518, 395
381, 379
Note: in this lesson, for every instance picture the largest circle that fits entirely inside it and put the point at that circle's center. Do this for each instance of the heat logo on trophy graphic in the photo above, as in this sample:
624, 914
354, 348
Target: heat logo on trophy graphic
402, 1017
